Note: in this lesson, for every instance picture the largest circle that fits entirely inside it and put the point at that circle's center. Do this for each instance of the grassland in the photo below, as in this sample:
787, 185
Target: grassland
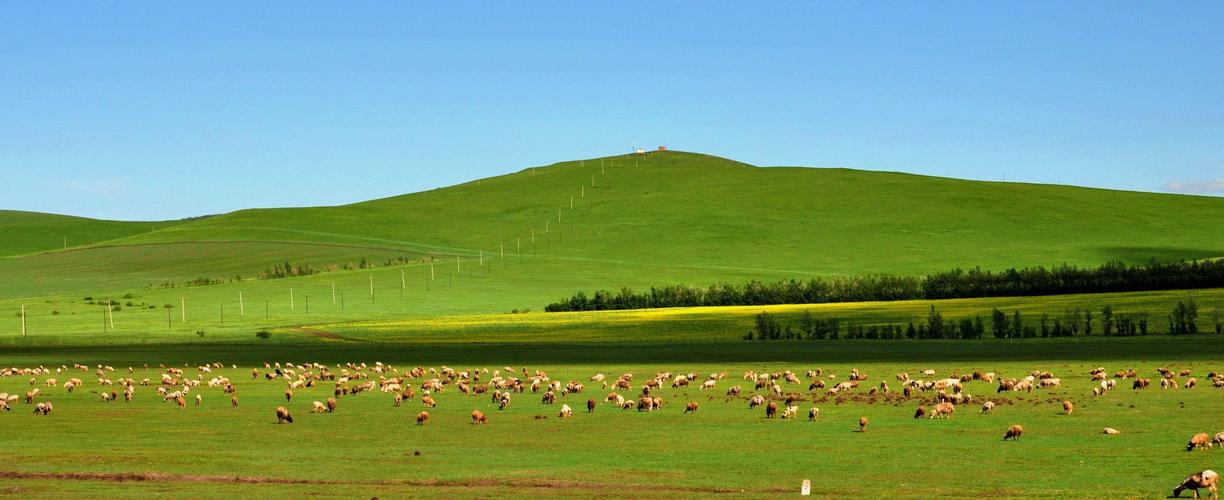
480, 250
368, 447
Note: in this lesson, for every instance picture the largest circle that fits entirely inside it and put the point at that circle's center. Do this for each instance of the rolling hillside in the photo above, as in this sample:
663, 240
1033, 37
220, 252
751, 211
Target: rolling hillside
30, 232
687, 211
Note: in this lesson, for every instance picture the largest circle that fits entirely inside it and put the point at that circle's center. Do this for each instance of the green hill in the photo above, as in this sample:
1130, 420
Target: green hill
703, 218
30, 232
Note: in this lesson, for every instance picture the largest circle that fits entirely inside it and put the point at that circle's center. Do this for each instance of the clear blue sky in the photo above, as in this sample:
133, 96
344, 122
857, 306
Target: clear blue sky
153, 110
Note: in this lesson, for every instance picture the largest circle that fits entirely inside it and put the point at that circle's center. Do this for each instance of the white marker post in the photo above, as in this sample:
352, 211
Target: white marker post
403, 284
431, 269
291, 305
371, 287
183, 307
23, 321
333, 292
110, 313
806, 488
241, 305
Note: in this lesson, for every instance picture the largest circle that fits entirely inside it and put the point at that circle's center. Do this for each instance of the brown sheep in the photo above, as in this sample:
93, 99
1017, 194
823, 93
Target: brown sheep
234, 401
478, 417
1140, 383
282, 415
1218, 439
1199, 441
920, 412
943, 410
590, 405
755, 401
771, 409
31, 394
182, 402
645, 403
428, 401
1013, 433
1068, 407
813, 414
863, 424
1206, 479
691, 407
422, 418
288, 395
331, 405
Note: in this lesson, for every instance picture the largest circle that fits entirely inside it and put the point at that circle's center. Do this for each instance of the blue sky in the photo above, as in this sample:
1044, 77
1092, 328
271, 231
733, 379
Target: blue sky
154, 111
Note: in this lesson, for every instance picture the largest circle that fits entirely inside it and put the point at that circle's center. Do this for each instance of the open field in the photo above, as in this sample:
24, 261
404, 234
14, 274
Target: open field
725, 447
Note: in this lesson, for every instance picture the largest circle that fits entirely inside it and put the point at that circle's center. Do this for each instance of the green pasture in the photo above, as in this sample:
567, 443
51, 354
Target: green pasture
368, 447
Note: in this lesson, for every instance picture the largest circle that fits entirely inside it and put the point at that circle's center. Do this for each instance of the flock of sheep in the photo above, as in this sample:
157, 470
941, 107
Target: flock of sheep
943, 395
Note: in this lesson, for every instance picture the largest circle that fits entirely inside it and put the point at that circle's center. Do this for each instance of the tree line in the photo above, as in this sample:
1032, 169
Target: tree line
1182, 320
955, 284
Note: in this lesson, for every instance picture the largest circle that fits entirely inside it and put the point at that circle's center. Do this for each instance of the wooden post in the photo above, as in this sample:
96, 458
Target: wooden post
183, 307
169, 321
23, 321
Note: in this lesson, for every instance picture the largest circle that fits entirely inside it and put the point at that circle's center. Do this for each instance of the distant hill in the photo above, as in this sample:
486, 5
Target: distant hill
30, 232
671, 216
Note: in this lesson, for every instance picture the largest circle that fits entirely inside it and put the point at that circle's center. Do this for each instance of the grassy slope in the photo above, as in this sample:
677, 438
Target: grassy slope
712, 219
30, 232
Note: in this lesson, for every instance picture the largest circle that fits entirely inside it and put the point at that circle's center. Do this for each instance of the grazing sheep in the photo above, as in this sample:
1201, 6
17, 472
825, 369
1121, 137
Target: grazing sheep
1206, 479
331, 405
31, 394
1068, 407
988, 407
863, 424
478, 417
198, 402
234, 401
288, 395
1013, 433
181, 402
813, 414
734, 390
791, 413
1141, 383
4, 405
1110, 431
566, 411
318, 407
645, 403
943, 410
43, 408
590, 405
398, 399
1218, 439
282, 415
771, 409
691, 407
428, 401
920, 412
1199, 441
422, 418
755, 401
